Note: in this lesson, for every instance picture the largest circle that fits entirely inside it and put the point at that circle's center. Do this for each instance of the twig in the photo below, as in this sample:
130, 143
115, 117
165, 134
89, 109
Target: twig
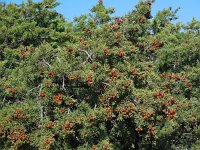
46, 63
95, 106
63, 83
106, 83
89, 58
58, 59
68, 111
33, 89
41, 107
4, 98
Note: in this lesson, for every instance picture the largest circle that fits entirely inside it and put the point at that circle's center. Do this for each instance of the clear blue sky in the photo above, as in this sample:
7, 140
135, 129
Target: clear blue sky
72, 8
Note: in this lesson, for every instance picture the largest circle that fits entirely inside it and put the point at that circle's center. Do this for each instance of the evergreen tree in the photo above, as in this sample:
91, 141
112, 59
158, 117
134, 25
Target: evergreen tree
99, 82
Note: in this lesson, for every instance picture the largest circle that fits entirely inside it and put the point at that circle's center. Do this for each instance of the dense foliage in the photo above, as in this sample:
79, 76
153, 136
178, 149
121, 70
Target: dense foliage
99, 82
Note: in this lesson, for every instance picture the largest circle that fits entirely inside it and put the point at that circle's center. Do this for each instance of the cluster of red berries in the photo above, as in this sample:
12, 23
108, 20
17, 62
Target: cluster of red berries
51, 74
42, 94
58, 99
147, 115
142, 19
18, 136
47, 143
159, 95
12, 90
114, 73
90, 120
67, 126
31, 50
117, 35
112, 96
86, 30
73, 77
69, 49
50, 124
48, 84
172, 101
127, 111
100, 1
157, 43
107, 52
89, 79
61, 110
171, 83
139, 129
134, 71
18, 114
151, 131
109, 113
120, 53
115, 27
94, 66
171, 113
119, 20
82, 41
23, 52
127, 83
2, 131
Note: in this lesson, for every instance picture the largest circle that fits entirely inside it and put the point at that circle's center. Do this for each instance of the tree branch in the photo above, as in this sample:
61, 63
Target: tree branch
47, 63
89, 58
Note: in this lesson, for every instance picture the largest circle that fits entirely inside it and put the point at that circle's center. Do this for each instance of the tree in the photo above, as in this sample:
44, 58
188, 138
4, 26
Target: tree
99, 82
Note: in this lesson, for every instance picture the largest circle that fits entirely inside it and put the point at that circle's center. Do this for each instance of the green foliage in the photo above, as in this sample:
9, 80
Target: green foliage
99, 82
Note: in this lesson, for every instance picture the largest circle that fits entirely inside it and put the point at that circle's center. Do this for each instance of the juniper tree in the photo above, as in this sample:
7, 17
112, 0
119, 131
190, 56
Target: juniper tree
98, 82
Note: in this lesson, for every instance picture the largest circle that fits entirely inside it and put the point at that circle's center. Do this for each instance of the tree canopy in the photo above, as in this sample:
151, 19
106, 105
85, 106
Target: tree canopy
98, 82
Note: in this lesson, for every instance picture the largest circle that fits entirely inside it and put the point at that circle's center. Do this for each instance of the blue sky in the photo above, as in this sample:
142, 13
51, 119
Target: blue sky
72, 8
